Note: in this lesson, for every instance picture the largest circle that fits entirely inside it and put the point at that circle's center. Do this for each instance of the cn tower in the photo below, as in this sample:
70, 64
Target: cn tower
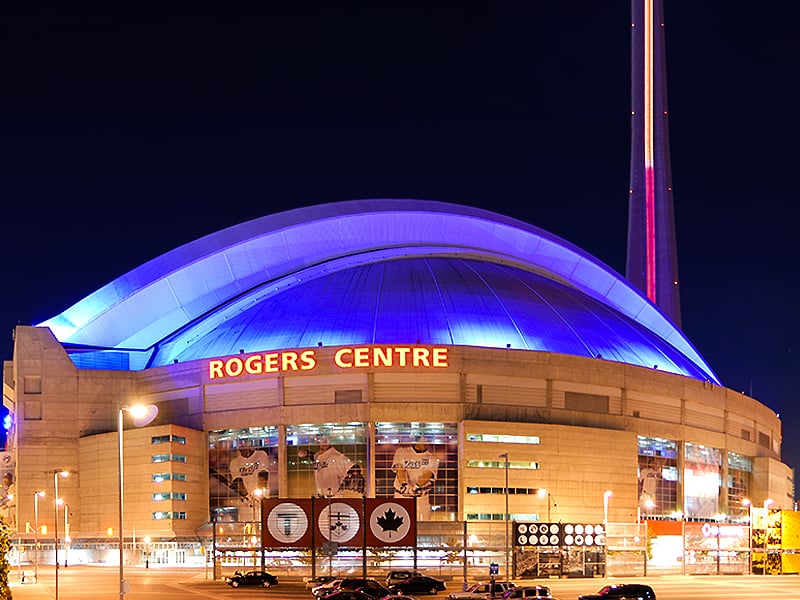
652, 258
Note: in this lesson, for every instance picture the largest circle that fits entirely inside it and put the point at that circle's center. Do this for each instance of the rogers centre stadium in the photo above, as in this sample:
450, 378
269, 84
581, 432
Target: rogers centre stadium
510, 392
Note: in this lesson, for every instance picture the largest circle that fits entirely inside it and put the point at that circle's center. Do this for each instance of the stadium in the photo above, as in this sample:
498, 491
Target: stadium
475, 369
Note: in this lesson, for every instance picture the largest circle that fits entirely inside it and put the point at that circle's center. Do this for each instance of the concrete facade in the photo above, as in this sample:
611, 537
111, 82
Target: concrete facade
65, 418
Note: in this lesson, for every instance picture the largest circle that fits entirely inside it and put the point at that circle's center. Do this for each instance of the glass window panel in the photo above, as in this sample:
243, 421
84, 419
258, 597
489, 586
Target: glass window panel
419, 460
243, 467
327, 459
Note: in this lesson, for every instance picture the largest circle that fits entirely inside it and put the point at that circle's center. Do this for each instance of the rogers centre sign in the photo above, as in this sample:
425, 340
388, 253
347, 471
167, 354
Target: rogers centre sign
350, 357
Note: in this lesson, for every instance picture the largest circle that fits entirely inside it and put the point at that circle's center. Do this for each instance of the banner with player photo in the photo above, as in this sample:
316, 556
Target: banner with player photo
348, 522
419, 461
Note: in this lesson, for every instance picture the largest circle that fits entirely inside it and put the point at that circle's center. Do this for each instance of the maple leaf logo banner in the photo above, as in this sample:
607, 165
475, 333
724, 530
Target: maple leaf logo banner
390, 522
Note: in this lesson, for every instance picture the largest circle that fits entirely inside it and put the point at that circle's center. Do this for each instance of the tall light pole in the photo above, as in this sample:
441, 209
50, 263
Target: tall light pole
56, 475
749, 505
36, 496
142, 415
505, 456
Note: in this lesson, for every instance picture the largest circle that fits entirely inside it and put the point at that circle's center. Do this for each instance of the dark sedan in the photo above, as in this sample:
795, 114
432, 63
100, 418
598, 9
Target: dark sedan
622, 591
259, 578
418, 584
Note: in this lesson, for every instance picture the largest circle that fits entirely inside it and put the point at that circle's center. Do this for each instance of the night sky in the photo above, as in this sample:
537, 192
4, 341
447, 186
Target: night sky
127, 134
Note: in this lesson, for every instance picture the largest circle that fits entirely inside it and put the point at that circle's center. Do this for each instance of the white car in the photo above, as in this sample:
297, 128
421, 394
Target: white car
482, 590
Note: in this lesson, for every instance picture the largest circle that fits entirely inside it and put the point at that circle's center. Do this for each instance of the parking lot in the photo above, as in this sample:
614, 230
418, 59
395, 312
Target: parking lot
92, 583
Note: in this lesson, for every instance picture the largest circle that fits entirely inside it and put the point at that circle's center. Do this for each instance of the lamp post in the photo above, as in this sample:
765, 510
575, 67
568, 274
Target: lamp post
505, 456
67, 538
36, 496
543, 493
147, 552
142, 415
749, 506
56, 475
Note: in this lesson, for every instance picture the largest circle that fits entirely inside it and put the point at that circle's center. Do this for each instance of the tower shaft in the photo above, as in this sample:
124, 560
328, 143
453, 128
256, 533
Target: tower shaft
652, 257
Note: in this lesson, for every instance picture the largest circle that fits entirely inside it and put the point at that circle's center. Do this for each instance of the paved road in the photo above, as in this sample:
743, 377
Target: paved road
94, 583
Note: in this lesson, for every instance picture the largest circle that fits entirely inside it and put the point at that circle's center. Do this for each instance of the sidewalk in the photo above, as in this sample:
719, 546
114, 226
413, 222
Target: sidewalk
29, 591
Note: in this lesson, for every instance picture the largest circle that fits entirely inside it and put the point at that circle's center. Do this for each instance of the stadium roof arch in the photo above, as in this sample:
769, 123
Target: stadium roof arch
372, 272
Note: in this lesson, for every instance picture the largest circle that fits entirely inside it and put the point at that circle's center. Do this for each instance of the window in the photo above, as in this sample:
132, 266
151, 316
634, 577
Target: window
503, 439
501, 464
658, 476
413, 446
161, 496
161, 477
158, 458
160, 516
163, 439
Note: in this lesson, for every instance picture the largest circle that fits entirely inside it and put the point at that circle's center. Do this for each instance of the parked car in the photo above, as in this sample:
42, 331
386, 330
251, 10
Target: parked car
398, 575
622, 591
542, 592
482, 590
418, 584
351, 584
313, 582
260, 578
350, 595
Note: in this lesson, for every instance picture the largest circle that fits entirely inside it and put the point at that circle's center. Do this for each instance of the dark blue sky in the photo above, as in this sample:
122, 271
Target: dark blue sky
127, 134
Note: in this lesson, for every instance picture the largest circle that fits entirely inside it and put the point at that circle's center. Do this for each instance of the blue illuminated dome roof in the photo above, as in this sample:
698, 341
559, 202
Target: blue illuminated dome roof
372, 272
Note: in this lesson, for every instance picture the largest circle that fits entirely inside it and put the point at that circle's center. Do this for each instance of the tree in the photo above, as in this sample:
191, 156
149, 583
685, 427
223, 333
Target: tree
5, 566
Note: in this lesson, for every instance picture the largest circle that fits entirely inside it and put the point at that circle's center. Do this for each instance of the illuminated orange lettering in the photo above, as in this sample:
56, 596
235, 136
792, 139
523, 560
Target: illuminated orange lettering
440, 358
253, 365
215, 369
421, 357
289, 361
382, 357
339, 359
361, 358
308, 360
402, 356
234, 367
271, 362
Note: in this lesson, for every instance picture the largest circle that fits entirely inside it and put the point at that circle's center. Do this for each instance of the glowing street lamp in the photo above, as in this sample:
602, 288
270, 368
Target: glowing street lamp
142, 415
56, 502
505, 456
606, 495
36, 496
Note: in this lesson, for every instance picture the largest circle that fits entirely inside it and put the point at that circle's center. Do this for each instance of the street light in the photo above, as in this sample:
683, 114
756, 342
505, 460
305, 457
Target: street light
505, 456
56, 500
142, 415
147, 552
36, 496
749, 506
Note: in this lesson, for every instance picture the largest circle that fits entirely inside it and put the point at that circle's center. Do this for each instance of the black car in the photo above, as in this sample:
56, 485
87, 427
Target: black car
400, 575
418, 584
260, 578
349, 595
368, 587
623, 591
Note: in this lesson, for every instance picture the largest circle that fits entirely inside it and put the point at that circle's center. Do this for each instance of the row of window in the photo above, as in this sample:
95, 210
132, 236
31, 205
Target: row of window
500, 464
502, 490
158, 496
163, 439
161, 516
502, 517
159, 458
162, 477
